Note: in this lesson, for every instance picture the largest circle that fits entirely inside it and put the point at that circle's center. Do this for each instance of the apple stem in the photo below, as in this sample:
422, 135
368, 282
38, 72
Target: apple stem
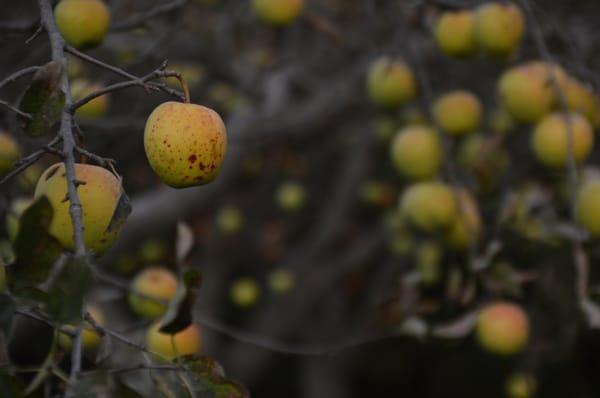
184, 87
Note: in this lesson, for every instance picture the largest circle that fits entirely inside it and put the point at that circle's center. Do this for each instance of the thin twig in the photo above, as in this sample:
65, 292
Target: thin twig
23, 72
15, 110
141, 19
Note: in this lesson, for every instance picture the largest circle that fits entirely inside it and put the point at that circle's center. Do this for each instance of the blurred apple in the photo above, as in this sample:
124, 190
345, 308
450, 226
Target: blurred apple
390, 82
151, 290
454, 33
502, 328
244, 292
458, 112
417, 152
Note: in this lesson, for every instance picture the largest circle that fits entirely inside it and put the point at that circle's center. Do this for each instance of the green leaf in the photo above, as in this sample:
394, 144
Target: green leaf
208, 375
122, 211
44, 99
179, 314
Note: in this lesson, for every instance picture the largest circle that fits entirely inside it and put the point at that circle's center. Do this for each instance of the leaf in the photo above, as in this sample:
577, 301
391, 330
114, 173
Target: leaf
7, 307
185, 241
457, 328
35, 249
179, 314
11, 386
122, 211
44, 99
208, 375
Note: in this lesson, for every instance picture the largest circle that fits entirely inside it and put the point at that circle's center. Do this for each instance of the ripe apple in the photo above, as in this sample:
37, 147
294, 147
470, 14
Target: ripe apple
90, 337
416, 152
502, 328
458, 112
582, 99
16, 209
278, 12
99, 195
499, 27
150, 287
9, 152
429, 205
467, 226
168, 347
244, 292
185, 143
97, 107
454, 33
390, 82
230, 220
588, 206
551, 137
290, 196
83, 23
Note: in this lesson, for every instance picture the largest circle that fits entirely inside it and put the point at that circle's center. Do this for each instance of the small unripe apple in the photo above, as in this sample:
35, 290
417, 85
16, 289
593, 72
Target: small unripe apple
152, 251
458, 112
185, 143
16, 209
290, 196
502, 328
466, 228
281, 281
429, 206
582, 99
385, 127
83, 23
99, 193
9, 152
550, 140
588, 206
244, 292
390, 82
499, 27
167, 346
97, 107
454, 33
90, 337
278, 12
230, 220
416, 152
521, 385
151, 290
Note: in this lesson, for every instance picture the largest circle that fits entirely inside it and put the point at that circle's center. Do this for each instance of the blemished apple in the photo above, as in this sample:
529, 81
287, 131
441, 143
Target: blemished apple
588, 206
390, 82
185, 143
99, 194
550, 139
502, 328
499, 27
168, 347
245, 292
416, 152
83, 23
429, 205
278, 12
97, 107
16, 209
458, 112
151, 290
466, 228
9, 152
454, 33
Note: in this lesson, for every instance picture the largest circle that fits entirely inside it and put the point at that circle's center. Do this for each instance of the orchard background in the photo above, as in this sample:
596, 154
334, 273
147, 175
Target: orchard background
358, 240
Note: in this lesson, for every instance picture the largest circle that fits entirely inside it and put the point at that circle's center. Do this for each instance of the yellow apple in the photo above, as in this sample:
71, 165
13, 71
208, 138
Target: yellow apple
17, 208
429, 206
244, 292
551, 137
99, 194
90, 337
278, 12
83, 23
167, 346
281, 281
454, 33
588, 206
499, 27
521, 385
390, 82
416, 152
458, 112
97, 107
185, 143
290, 196
151, 289
502, 328
230, 220
582, 99
9, 152
466, 228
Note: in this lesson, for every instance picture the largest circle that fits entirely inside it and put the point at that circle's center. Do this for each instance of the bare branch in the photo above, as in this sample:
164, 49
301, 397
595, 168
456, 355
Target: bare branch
141, 19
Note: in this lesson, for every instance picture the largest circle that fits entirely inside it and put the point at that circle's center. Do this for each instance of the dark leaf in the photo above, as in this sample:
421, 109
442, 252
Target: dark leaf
11, 386
209, 376
7, 306
122, 211
44, 99
179, 314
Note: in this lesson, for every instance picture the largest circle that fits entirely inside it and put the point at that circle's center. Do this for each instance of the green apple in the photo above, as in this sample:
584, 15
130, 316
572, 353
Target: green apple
458, 112
83, 23
151, 289
429, 205
390, 82
245, 292
499, 27
417, 152
454, 33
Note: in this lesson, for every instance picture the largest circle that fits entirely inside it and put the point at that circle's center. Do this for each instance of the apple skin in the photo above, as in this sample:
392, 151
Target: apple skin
290, 196
153, 282
9, 152
17, 208
390, 82
278, 12
467, 226
90, 337
185, 143
244, 292
458, 112
429, 205
82, 23
502, 328
550, 139
416, 152
499, 28
94, 109
454, 33
588, 206
187, 342
99, 197
582, 99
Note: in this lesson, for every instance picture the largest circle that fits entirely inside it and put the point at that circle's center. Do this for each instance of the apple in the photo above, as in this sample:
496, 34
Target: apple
152, 251
390, 82
151, 289
97, 107
185, 143
582, 99
244, 292
83, 23
99, 194
281, 281
16, 209
499, 27
230, 220
454, 33
416, 152
168, 347
9, 152
588, 206
551, 137
466, 228
278, 12
29, 177
502, 328
521, 385
90, 337
458, 112
429, 205
290, 196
